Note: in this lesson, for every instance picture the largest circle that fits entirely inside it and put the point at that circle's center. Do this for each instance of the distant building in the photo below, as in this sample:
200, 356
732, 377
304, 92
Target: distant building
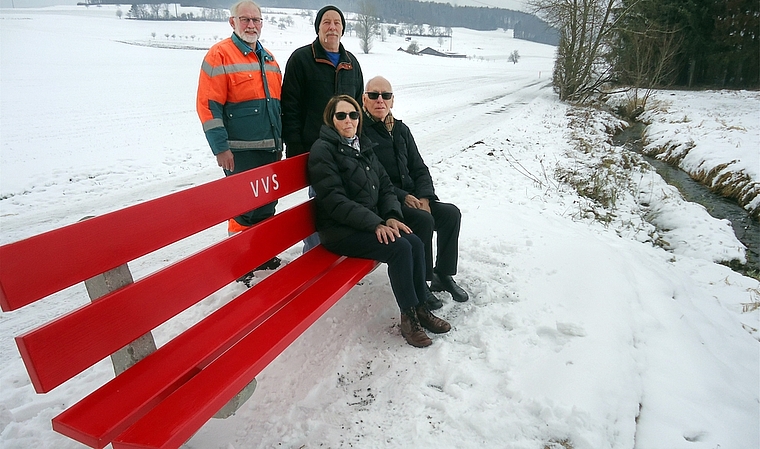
431, 52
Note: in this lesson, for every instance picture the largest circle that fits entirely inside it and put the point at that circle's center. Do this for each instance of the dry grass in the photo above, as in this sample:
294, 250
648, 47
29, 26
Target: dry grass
559, 444
754, 303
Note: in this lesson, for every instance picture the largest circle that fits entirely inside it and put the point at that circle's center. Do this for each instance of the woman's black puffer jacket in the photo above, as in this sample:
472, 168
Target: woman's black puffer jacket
353, 190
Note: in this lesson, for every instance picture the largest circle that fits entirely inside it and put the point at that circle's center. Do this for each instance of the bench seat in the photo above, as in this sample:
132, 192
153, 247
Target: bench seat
163, 399
177, 417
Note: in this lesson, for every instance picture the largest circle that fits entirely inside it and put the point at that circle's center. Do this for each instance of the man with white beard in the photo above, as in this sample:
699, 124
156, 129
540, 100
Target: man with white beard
238, 103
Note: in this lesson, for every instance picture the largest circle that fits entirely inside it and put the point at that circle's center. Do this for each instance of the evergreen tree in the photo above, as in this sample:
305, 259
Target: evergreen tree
717, 41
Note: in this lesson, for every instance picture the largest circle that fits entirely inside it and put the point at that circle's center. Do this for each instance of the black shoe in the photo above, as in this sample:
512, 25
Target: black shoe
444, 282
247, 279
431, 300
271, 264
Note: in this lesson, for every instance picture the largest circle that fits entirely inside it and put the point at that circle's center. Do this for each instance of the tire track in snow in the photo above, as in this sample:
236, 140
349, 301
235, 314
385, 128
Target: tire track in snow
475, 114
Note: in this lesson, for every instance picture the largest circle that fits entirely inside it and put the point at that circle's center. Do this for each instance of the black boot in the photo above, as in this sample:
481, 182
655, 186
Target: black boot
444, 282
412, 331
247, 279
431, 300
271, 264
431, 322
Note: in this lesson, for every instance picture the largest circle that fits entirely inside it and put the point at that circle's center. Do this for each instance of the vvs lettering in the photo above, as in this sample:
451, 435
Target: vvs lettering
268, 183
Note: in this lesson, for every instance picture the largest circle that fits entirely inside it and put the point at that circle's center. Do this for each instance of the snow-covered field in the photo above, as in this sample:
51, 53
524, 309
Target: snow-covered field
581, 332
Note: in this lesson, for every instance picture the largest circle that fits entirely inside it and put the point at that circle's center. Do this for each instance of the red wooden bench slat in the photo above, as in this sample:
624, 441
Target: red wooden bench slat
82, 250
66, 346
108, 411
176, 418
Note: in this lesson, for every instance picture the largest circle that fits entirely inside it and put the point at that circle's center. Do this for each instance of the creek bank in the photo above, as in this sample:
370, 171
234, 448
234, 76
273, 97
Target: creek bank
744, 222
712, 135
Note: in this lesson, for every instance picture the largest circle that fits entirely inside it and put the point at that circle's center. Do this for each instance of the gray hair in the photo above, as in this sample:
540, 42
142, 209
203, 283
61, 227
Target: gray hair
234, 8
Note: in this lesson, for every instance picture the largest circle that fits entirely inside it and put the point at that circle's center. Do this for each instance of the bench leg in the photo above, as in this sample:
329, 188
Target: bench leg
103, 284
124, 358
235, 403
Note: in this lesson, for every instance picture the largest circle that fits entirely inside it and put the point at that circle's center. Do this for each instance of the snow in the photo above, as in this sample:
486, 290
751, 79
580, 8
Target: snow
591, 325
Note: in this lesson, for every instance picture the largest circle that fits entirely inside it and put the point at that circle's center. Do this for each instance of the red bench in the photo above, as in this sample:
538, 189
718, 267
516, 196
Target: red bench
163, 399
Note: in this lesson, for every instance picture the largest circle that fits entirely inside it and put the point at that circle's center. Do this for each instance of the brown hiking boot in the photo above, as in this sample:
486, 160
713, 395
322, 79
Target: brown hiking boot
431, 322
411, 330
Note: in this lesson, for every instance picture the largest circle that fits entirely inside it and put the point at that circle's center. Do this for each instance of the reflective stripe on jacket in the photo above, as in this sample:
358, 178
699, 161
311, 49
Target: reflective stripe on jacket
239, 98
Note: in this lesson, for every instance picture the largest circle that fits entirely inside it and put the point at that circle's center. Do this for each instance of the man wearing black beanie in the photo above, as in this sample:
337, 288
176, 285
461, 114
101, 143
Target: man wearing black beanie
315, 73
322, 12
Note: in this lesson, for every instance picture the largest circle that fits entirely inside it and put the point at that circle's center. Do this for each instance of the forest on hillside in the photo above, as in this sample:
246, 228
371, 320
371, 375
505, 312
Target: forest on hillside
525, 26
642, 43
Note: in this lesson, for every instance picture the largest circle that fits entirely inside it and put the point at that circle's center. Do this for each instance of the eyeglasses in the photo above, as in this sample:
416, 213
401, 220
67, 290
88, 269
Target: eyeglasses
353, 115
246, 20
374, 95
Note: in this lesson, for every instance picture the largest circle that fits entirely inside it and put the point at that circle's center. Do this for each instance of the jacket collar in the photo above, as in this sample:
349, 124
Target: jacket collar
320, 54
245, 49
330, 135
387, 124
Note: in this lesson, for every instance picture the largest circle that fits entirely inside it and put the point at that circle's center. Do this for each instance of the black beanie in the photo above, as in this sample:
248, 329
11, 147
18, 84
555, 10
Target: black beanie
322, 12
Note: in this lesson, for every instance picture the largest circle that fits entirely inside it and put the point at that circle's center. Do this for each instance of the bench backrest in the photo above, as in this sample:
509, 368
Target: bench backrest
62, 348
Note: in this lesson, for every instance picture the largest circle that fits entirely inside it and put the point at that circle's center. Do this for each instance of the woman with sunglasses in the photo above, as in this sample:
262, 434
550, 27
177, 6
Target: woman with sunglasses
358, 214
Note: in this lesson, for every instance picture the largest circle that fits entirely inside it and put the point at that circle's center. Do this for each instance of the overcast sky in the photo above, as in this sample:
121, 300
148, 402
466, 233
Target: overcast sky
517, 5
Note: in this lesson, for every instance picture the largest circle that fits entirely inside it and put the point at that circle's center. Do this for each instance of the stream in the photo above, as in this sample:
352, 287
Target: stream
746, 228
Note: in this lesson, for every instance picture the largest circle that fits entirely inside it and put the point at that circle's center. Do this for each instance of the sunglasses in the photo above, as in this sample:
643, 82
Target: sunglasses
353, 115
374, 95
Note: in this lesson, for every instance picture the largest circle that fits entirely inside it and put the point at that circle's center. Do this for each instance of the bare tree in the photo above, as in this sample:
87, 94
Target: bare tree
138, 11
643, 57
367, 25
155, 10
586, 29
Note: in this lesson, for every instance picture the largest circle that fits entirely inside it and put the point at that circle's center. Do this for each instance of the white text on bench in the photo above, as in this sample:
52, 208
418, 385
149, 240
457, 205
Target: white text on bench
265, 182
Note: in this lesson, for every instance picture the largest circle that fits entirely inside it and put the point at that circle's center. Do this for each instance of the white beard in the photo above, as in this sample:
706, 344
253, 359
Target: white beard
249, 38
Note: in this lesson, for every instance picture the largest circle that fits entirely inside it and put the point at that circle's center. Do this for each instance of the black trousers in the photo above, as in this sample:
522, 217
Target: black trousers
445, 219
244, 161
405, 258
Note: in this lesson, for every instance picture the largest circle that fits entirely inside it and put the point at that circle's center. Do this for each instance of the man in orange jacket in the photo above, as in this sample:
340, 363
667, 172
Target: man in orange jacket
238, 103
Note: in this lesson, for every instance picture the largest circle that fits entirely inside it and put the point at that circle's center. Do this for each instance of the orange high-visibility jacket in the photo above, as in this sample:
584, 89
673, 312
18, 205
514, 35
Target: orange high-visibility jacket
239, 98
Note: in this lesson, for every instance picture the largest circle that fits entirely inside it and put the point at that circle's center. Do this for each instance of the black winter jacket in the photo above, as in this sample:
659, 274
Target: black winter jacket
353, 191
309, 82
398, 153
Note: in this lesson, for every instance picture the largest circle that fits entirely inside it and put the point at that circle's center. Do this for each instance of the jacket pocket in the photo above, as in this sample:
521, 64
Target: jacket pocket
246, 121
239, 79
